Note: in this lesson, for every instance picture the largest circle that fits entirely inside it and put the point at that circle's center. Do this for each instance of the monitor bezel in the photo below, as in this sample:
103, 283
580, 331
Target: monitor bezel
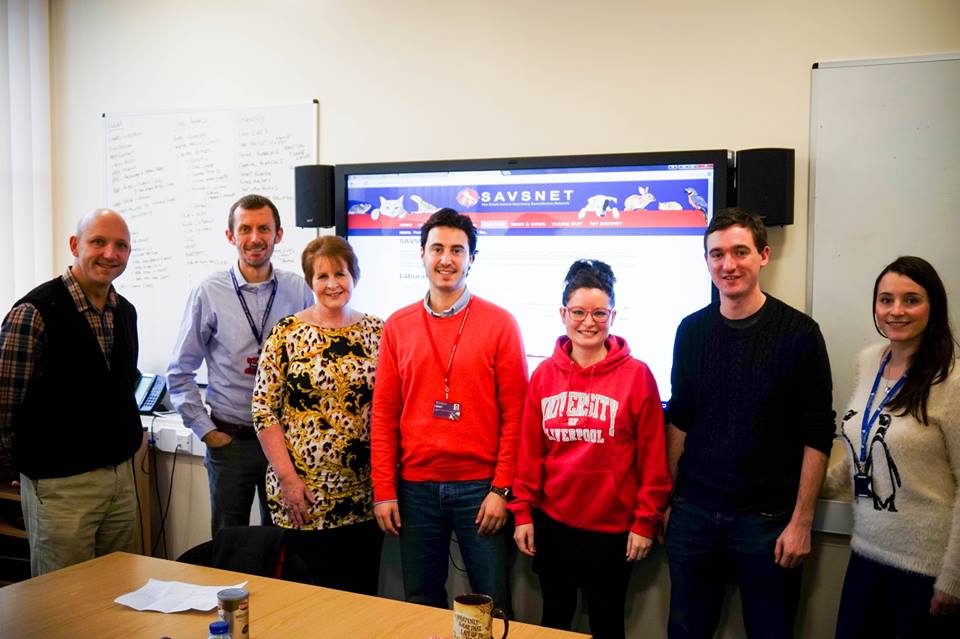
722, 159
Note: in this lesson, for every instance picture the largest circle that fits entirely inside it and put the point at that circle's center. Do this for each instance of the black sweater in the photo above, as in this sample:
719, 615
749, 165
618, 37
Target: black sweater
78, 414
750, 399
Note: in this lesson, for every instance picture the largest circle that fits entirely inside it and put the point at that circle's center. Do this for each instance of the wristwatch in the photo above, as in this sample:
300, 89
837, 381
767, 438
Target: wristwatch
506, 493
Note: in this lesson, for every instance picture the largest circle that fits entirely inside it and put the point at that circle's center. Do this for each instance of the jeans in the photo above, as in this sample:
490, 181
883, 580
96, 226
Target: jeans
235, 472
880, 602
76, 518
429, 513
706, 549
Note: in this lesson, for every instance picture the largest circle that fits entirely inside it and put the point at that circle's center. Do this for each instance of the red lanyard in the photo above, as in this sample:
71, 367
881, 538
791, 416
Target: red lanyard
453, 351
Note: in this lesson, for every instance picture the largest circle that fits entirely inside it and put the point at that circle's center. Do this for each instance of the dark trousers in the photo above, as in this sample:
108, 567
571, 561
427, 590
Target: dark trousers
880, 602
569, 559
345, 558
707, 549
235, 473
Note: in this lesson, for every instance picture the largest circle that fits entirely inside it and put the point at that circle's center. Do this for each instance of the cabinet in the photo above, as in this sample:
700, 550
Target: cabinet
14, 549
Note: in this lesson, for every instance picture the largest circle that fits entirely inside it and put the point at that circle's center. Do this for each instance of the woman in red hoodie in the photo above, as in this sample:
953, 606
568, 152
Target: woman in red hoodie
592, 480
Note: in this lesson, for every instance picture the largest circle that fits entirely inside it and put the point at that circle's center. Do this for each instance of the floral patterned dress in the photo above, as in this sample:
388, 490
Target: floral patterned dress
317, 383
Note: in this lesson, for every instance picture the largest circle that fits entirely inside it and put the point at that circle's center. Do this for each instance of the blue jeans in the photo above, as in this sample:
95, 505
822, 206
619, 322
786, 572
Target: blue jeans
235, 472
430, 512
707, 549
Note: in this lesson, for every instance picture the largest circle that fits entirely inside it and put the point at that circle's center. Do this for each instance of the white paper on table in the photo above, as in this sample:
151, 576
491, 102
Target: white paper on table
173, 596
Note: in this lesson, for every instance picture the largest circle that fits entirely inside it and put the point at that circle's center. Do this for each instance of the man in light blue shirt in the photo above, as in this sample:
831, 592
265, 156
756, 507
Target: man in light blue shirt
227, 318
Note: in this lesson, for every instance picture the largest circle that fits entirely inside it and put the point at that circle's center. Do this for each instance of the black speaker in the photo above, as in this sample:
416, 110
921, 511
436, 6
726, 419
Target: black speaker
765, 184
314, 195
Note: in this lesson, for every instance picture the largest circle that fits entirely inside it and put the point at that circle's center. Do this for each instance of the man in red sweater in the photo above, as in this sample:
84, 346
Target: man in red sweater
447, 403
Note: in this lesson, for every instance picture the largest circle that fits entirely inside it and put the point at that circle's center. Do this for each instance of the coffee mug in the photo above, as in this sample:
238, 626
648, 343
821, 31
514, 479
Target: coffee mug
473, 617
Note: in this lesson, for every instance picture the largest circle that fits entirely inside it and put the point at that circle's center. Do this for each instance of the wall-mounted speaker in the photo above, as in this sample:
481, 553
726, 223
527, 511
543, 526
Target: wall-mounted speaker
314, 195
765, 184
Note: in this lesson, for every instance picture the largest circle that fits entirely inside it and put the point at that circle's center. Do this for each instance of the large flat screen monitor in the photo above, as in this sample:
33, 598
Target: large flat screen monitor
643, 213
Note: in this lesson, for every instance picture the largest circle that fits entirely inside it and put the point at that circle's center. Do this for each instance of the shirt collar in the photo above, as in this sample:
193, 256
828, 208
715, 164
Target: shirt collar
458, 306
80, 298
242, 281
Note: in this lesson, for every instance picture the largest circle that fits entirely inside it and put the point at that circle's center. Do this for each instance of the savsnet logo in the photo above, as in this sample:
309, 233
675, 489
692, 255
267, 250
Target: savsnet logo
467, 197
539, 195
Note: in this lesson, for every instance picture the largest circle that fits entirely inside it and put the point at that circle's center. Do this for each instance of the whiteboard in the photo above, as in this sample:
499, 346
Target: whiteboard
884, 182
173, 175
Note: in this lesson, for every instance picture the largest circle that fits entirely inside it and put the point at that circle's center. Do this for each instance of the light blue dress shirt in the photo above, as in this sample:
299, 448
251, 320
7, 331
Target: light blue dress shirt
215, 329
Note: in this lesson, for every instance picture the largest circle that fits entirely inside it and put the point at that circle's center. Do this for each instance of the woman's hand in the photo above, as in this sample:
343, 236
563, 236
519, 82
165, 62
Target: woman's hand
638, 546
296, 498
523, 535
944, 604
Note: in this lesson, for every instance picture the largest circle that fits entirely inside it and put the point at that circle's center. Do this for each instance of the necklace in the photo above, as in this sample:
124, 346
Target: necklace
888, 385
319, 321
892, 373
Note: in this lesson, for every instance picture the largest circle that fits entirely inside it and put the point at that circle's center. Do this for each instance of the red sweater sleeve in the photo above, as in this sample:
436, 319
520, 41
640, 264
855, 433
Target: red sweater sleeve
385, 423
511, 378
653, 475
532, 451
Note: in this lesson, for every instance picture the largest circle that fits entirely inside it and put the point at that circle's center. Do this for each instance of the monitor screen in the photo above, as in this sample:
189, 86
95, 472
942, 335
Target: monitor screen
644, 214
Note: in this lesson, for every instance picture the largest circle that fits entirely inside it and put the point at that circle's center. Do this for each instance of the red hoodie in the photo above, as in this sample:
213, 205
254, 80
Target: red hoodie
592, 444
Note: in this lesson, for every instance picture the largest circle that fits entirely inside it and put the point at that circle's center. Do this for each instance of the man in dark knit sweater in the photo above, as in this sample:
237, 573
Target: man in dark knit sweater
750, 429
71, 345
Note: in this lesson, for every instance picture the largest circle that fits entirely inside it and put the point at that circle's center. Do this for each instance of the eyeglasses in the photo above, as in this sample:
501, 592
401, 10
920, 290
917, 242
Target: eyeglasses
599, 315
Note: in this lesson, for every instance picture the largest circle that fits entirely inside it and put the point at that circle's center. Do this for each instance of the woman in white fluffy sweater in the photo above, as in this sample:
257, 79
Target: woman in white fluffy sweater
901, 435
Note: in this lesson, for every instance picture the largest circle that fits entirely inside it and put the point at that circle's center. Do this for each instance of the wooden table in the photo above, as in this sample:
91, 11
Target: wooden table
77, 602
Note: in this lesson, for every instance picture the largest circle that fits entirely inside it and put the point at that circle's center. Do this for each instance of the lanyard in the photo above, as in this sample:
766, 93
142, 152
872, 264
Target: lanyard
257, 334
868, 420
453, 351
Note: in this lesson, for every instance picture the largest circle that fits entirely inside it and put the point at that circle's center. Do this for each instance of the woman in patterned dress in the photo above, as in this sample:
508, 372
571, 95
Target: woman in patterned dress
311, 409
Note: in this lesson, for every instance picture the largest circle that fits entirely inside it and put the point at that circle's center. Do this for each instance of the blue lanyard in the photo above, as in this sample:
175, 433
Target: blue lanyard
257, 334
868, 420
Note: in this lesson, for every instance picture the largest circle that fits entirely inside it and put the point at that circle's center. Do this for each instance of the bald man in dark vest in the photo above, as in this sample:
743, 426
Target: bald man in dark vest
69, 424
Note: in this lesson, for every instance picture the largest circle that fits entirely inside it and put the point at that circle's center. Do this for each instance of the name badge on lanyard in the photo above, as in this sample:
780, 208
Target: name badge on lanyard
446, 410
861, 485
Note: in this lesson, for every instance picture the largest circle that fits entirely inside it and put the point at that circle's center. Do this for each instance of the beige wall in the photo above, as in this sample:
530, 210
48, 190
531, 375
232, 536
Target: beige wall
424, 79
419, 79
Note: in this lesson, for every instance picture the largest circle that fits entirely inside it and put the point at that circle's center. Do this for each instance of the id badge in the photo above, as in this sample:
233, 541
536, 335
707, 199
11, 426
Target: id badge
861, 485
251, 365
446, 410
